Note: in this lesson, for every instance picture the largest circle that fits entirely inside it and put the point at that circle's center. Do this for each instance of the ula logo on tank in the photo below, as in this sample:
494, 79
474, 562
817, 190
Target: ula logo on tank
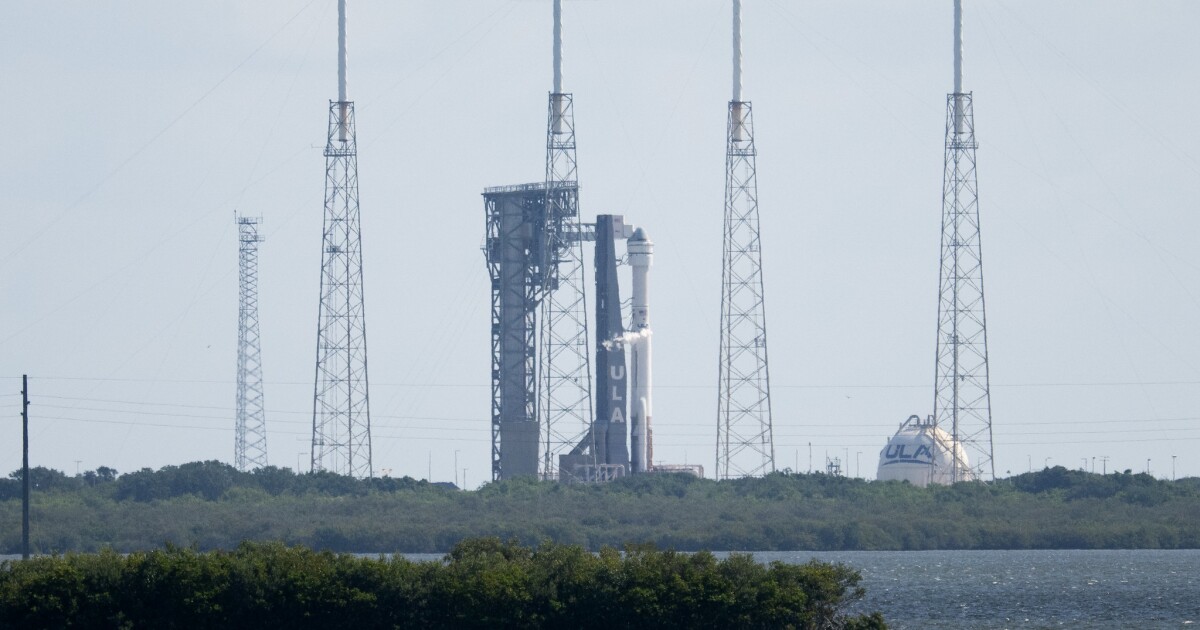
899, 452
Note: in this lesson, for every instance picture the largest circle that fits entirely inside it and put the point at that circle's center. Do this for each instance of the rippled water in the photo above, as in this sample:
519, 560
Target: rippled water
1025, 589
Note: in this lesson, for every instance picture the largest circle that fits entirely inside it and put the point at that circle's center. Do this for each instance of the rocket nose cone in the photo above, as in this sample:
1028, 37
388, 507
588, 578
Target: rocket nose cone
638, 235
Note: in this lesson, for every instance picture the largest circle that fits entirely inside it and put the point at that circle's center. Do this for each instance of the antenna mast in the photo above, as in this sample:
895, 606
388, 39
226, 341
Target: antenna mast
958, 52
962, 396
341, 439
745, 440
250, 447
564, 361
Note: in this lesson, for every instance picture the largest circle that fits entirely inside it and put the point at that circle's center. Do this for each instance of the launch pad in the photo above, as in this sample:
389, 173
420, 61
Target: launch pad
521, 260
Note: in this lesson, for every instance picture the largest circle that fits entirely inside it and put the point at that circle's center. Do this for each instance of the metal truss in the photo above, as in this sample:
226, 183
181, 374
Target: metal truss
341, 439
962, 399
745, 441
250, 447
565, 394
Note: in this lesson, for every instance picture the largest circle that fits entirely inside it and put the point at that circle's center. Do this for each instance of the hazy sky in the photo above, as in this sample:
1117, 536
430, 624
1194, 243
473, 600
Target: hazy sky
137, 128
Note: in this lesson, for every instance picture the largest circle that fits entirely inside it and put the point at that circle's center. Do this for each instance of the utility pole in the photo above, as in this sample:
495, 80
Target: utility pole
1172, 468
858, 464
1104, 463
24, 466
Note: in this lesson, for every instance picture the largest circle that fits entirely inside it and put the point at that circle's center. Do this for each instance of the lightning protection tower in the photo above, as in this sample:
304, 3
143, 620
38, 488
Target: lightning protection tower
745, 444
250, 447
962, 399
341, 437
564, 364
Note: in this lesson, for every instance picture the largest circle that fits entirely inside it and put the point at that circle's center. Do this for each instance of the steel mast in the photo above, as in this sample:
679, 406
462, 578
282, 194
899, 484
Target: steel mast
250, 446
962, 398
341, 438
564, 362
745, 443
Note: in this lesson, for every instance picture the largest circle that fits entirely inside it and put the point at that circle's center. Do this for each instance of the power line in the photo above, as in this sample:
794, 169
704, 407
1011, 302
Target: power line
483, 419
666, 430
872, 431
133, 156
226, 417
482, 385
226, 429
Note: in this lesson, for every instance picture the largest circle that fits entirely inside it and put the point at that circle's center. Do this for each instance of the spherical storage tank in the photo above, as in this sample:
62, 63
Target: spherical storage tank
921, 453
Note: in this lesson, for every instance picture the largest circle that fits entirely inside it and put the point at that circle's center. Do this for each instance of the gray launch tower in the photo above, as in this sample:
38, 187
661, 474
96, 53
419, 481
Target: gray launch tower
516, 252
962, 398
341, 437
250, 445
745, 442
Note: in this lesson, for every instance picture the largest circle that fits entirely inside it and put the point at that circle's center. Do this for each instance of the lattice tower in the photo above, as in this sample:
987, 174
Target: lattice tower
250, 446
341, 439
564, 362
745, 441
962, 395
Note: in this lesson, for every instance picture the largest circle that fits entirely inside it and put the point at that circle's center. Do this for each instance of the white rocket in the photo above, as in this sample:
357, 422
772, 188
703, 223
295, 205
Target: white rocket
641, 254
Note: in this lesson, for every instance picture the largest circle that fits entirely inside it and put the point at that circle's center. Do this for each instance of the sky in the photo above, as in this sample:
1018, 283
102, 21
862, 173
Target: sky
137, 129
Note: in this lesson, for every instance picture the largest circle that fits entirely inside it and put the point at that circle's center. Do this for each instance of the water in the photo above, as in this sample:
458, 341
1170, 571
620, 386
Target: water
1141, 589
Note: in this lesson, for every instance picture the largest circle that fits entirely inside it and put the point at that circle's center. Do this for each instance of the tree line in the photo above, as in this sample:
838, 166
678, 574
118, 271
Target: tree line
481, 583
211, 505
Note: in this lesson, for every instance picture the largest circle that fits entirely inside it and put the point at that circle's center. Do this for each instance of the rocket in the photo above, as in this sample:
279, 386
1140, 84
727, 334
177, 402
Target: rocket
640, 254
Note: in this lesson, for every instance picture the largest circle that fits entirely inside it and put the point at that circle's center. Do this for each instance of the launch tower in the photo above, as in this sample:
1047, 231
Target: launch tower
250, 446
745, 444
515, 252
341, 437
962, 399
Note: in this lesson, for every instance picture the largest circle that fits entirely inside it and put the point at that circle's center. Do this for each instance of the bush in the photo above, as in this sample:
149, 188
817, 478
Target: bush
481, 583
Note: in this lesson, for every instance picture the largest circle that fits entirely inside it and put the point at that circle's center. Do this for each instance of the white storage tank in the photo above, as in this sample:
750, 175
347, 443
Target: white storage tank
921, 453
